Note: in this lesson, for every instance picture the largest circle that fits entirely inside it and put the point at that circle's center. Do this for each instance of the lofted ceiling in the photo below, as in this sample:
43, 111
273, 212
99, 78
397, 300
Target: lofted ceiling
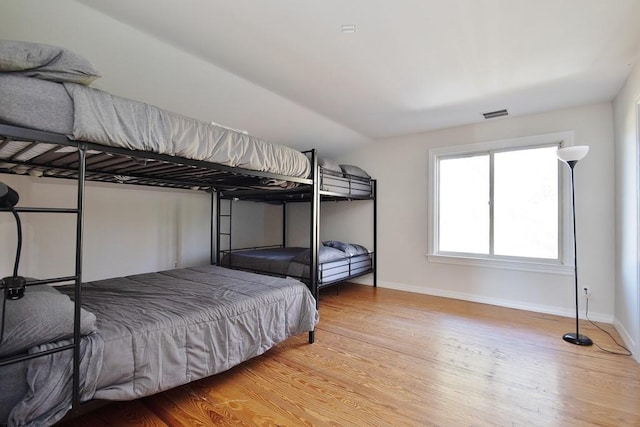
409, 66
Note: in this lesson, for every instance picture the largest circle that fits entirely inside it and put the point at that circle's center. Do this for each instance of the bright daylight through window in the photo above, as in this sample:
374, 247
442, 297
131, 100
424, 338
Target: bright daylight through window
498, 204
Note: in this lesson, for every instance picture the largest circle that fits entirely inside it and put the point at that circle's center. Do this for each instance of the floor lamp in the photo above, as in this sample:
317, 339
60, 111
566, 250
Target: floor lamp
571, 156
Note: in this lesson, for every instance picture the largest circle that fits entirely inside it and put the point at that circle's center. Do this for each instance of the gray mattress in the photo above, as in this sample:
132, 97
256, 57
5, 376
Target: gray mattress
334, 265
35, 104
88, 114
161, 330
271, 260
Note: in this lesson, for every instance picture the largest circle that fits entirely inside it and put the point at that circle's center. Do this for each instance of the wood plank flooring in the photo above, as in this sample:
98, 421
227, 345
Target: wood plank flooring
390, 358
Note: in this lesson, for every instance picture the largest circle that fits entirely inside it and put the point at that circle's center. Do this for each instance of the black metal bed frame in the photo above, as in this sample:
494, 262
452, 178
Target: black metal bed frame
344, 192
48, 154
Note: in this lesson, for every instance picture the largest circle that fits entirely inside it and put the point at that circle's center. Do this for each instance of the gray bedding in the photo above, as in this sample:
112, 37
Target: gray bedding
89, 114
161, 330
334, 264
272, 260
36, 104
49, 382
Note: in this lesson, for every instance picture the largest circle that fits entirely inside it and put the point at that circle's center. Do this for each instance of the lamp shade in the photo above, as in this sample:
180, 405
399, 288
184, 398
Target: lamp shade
572, 154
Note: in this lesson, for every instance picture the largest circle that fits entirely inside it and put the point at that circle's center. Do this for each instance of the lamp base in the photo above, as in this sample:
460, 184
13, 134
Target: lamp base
14, 287
577, 340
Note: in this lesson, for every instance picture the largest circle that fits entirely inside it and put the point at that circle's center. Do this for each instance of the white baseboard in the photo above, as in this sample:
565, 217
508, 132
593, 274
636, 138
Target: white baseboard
628, 341
596, 317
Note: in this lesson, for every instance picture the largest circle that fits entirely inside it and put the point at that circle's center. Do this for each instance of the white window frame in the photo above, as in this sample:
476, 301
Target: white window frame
553, 266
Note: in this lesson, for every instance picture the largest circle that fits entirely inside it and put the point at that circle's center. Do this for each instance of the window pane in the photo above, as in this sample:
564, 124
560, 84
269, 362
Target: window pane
464, 205
526, 203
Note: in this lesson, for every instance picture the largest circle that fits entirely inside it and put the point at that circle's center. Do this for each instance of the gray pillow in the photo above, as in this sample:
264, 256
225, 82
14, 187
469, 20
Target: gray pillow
354, 170
326, 254
43, 315
354, 249
330, 165
335, 244
45, 62
351, 249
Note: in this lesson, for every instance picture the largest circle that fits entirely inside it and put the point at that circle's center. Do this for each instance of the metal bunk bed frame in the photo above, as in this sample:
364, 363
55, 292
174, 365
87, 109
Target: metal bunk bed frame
86, 161
314, 195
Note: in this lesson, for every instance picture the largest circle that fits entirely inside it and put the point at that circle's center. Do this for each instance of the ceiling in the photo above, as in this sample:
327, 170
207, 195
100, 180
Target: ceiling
410, 66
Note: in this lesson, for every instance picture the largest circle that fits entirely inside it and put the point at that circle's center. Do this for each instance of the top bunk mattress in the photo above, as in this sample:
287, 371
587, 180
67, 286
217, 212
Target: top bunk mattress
87, 114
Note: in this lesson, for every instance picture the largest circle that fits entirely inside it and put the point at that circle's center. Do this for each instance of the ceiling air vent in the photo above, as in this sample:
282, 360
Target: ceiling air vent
348, 28
494, 114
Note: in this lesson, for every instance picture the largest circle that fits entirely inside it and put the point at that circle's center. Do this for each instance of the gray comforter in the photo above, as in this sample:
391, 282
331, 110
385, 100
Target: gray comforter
162, 330
49, 382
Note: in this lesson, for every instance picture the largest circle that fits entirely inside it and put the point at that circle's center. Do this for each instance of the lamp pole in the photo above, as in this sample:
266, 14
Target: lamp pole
571, 156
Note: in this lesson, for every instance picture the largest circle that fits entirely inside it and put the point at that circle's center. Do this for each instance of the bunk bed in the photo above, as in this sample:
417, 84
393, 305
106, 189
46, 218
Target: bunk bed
337, 261
52, 124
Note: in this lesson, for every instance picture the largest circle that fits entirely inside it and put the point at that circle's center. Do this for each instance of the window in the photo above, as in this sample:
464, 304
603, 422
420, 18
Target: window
497, 202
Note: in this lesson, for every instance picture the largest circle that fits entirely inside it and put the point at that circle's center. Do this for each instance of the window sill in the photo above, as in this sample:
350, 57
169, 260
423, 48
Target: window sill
504, 264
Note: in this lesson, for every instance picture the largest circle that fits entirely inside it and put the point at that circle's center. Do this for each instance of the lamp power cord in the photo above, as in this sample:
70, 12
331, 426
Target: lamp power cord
626, 352
4, 310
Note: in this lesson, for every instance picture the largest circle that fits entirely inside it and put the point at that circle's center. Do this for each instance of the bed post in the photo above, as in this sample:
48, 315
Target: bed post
75, 402
213, 258
374, 188
314, 232
284, 224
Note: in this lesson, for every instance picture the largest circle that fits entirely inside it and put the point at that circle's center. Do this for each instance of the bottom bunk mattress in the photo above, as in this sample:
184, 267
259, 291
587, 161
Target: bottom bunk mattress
160, 330
335, 263
268, 260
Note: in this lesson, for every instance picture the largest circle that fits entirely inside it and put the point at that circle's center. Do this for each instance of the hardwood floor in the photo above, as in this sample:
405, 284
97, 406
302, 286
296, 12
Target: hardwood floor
390, 358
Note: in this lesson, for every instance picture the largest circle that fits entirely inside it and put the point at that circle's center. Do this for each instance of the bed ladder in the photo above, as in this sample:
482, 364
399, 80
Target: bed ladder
219, 233
76, 278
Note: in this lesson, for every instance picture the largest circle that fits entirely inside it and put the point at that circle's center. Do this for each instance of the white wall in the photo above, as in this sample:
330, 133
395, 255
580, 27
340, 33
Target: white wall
400, 165
344, 221
127, 229
627, 300
247, 225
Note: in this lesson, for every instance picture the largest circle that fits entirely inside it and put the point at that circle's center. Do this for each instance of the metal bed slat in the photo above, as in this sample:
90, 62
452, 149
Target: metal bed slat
156, 166
28, 147
104, 160
63, 160
190, 171
4, 142
52, 150
100, 158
